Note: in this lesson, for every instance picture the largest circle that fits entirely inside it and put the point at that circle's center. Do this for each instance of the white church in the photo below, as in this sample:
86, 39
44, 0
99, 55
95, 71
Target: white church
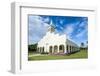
56, 44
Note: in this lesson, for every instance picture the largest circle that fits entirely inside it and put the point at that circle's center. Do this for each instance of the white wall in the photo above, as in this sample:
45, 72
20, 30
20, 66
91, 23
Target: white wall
5, 42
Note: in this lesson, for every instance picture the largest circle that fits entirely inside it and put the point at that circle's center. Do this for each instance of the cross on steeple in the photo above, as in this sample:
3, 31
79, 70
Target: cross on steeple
51, 27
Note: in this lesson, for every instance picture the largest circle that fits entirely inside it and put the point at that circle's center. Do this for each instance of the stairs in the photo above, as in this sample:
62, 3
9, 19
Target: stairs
57, 54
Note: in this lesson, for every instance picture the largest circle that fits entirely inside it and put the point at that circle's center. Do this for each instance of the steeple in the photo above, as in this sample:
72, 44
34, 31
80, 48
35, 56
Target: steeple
51, 23
51, 27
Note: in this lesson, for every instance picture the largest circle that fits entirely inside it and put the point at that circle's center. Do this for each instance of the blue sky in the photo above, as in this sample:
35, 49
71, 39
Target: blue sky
75, 27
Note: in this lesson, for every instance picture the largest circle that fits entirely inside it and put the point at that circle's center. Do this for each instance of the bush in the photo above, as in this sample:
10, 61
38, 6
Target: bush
32, 48
44, 53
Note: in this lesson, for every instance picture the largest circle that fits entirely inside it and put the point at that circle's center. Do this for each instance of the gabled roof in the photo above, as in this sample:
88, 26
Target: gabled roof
71, 43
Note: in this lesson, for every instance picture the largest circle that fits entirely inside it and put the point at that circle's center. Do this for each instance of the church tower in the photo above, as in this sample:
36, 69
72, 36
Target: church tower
51, 28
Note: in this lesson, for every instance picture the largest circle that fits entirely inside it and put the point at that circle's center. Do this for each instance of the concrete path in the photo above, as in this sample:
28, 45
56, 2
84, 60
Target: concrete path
36, 55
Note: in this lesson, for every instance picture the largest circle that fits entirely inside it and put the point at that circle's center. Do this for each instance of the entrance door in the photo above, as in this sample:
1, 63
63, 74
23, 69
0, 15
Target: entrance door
61, 48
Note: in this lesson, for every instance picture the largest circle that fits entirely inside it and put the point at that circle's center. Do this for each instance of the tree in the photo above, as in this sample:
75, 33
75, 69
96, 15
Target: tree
32, 47
87, 44
82, 44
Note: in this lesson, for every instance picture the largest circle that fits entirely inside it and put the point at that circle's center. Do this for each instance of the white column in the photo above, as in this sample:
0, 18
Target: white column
58, 48
53, 48
47, 48
69, 48
65, 50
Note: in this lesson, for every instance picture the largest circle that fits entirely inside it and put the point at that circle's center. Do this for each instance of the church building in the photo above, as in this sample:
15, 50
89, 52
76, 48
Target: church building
54, 43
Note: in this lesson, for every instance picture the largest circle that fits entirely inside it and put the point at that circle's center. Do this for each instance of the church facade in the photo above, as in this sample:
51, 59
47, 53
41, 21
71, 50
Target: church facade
54, 43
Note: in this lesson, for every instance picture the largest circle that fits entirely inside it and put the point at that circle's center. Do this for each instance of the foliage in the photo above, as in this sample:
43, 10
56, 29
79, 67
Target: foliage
82, 44
32, 47
44, 53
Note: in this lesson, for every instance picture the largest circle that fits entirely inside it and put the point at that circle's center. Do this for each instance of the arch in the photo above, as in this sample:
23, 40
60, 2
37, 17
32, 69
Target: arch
61, 48
70, 49
50, 49
67, 48
43, 49
55, 49
73, 48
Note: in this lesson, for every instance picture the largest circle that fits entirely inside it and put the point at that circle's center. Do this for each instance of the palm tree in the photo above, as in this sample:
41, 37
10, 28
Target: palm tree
82, 44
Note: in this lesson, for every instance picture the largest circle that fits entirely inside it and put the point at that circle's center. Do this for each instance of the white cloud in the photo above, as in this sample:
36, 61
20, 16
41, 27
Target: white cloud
37, 28
82, 33
61, 21
61, 28
79, 30
83, 23
46, 19
68, 30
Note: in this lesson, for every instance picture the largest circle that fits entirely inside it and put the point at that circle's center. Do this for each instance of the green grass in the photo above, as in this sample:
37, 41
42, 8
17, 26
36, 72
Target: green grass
79, 55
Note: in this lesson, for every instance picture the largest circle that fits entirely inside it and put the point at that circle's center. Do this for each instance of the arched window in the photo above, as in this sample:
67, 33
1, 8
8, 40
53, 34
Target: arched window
70, 48
67, 48
61, 48
43, 49
55, 48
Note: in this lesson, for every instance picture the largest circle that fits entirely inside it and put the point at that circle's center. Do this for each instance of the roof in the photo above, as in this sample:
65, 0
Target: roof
71, 43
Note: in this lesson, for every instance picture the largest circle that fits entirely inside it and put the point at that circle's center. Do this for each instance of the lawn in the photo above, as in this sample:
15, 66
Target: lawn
78, 55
